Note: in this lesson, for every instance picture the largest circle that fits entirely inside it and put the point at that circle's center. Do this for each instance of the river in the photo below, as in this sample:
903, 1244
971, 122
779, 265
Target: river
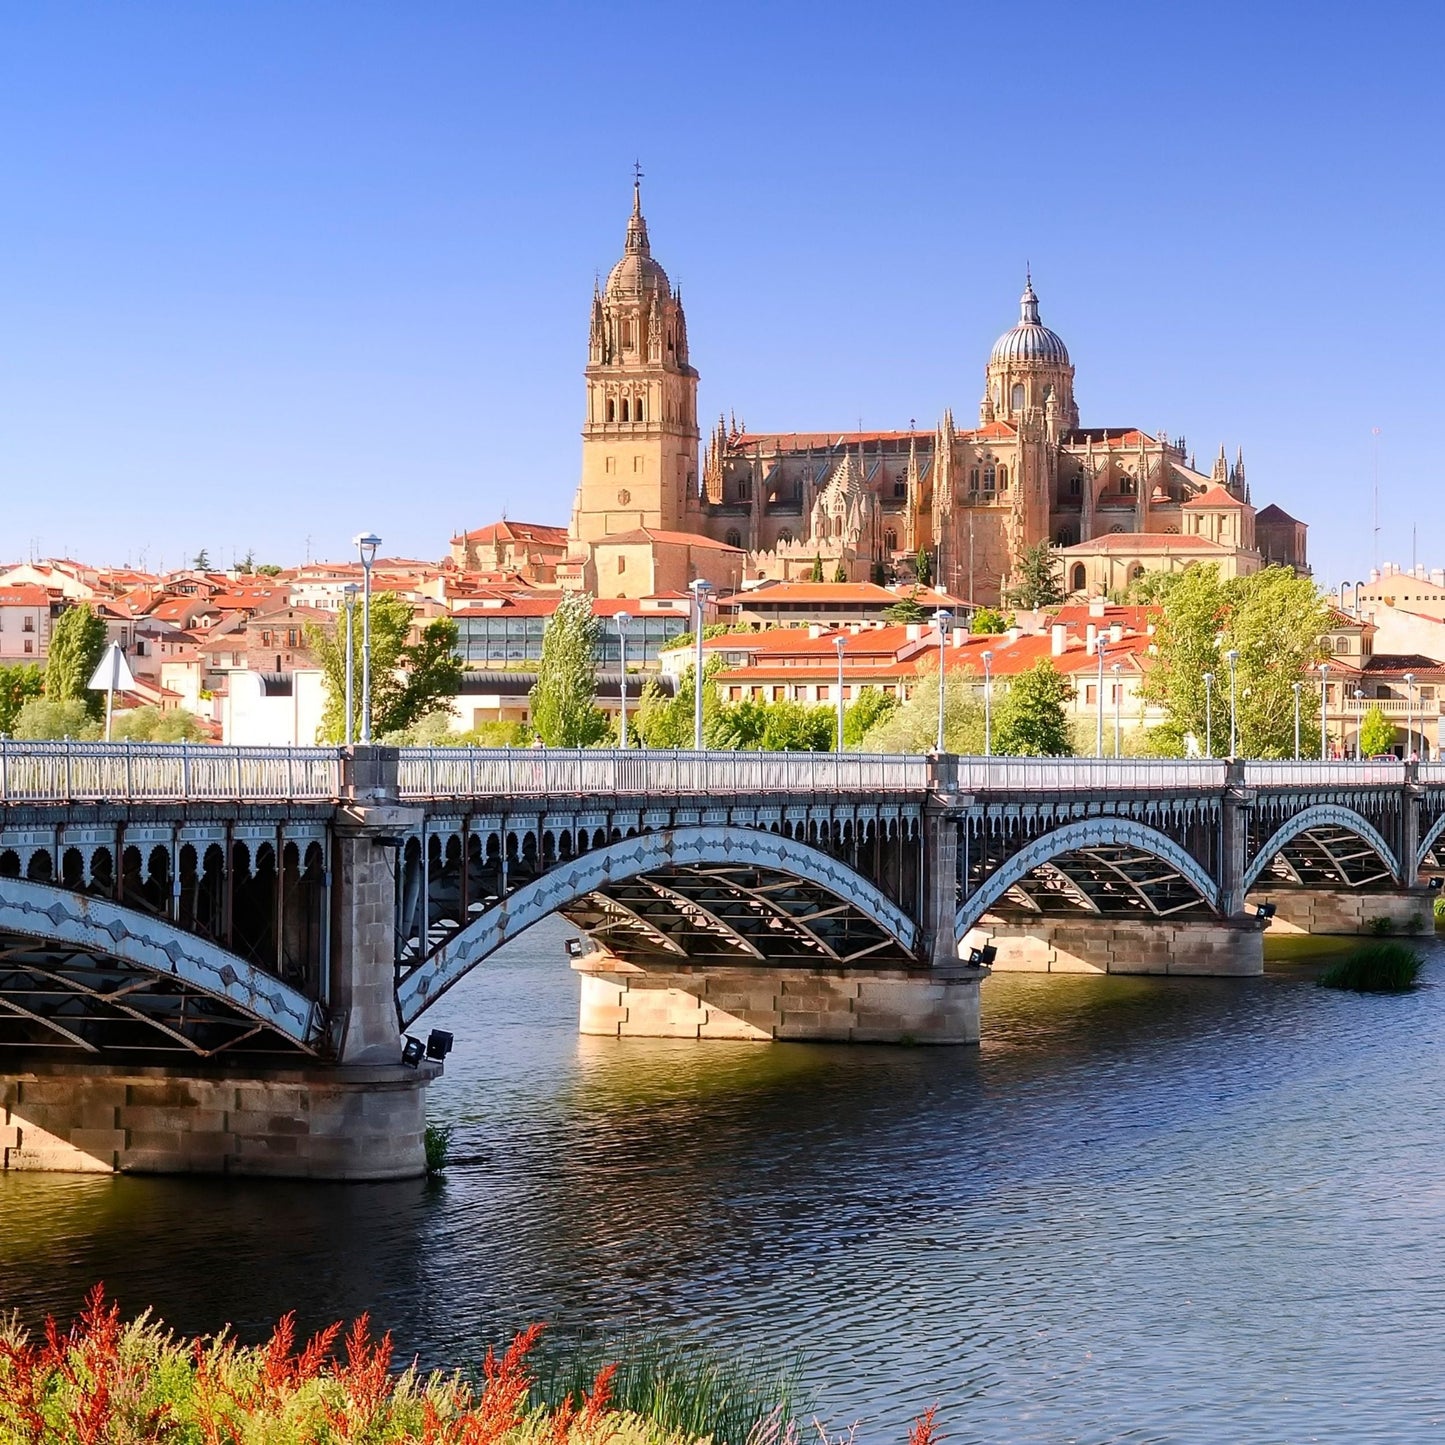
1143, 1210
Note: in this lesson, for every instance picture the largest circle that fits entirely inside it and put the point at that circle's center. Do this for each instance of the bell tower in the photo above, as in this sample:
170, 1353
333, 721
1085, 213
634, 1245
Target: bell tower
640, 438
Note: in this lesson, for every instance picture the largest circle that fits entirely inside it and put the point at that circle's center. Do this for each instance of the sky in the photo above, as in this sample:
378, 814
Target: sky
275, 274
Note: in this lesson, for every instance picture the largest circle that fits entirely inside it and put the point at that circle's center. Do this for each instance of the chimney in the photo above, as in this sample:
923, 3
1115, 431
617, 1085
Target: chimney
1014, 633
816, 630
1098, 606
915, 631
1090, 632
1116, 632
1437, 576
958, 636
1059, 639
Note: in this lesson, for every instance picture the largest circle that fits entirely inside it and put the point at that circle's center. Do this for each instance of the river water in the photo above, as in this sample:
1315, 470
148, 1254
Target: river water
1144, 1210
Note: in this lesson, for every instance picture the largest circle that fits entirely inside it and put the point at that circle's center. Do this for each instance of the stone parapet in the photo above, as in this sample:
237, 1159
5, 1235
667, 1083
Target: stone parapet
767, 1003
333, 1122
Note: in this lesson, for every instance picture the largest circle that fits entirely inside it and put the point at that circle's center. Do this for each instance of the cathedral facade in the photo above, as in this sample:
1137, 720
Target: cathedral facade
1114, 502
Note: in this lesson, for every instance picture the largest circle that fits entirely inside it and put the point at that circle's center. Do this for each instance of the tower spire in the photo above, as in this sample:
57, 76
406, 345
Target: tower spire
637, 242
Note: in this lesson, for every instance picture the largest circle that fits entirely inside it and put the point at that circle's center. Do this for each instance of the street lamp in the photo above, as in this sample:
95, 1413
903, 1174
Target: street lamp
1208, 714
942, 617
1232, 658
366, 545
1324, 702
349, 593
1297, 686
987, 703
1360, 725
622, 619
839, 643
699, 589
1118, 695
1099, 647
1409, 715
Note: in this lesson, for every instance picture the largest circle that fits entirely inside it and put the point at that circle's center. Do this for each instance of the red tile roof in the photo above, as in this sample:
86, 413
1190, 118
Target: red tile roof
1215, 497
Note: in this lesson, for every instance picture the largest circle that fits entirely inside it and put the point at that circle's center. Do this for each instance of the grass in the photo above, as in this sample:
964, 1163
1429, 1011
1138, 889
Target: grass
691, 1391
108, 1382
437, 1141
1375, 968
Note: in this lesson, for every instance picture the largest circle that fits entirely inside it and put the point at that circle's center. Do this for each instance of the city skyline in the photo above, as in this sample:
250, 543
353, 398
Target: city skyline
275, 279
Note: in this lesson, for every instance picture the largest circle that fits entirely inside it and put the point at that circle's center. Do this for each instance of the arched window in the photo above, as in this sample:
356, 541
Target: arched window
621, 564
1075, 486
627, 333
1128, 486
624, 409
1066, 537
669, 338
988, 478
734, 538
784, 537
1003, 479
1079, 579
637, 410
745, 489
1018, 396
1117, 528
890, 540
1171, 531
611, 409
973, 479
1136, 571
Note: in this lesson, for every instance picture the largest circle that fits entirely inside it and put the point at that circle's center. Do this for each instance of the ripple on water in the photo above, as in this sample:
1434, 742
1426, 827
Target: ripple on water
1143, 1210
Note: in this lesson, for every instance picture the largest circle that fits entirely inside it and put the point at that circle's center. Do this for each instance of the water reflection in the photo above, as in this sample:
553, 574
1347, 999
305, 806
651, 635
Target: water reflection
1143, 1209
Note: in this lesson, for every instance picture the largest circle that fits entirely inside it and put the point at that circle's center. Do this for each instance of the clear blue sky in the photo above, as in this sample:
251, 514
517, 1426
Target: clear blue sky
279, 272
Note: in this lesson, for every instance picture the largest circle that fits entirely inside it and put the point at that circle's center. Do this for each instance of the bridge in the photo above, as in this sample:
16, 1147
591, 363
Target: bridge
211, 958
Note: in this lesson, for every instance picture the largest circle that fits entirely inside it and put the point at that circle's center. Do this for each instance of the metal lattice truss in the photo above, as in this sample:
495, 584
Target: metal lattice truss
59, 997
1112, 880
730, 914
1325, 846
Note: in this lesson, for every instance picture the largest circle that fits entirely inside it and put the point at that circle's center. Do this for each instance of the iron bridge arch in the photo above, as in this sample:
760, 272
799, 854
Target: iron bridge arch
1116, 859
1323, 832
732, 883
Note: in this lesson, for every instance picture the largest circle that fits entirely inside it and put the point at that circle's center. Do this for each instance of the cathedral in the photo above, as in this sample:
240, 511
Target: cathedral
1114, 502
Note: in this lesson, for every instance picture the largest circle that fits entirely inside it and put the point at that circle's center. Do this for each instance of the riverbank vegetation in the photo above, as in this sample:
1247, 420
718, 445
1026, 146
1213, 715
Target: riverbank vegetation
105, 1381
1375, 968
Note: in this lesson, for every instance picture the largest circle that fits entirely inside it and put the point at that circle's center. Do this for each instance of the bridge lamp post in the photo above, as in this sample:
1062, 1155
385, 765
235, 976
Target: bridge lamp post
1297, 686
1324, 702
349, 603
366, 545
1118, 695
839, 643
1208, 714
1099, 647
942, 617
622, 619
699, 588
1232, 658
1409, 714
987, 704
1360, 725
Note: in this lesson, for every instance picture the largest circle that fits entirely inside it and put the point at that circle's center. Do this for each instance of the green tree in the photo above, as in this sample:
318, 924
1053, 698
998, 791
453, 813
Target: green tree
867, 711
247, 564
268, 569
987, 620
77, 644
150, 725
815, 574
1034, 581
879, 574
48, 717
840, 572
202, 561
564, 708
667, 722
18, 684
906, 609
913, 728
1032, 718
1150, 589
923, 568
1377, 733
408, 680
1274, 621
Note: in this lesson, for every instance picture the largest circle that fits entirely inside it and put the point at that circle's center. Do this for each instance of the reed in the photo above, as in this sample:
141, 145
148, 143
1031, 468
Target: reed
437, 1141
1375, 968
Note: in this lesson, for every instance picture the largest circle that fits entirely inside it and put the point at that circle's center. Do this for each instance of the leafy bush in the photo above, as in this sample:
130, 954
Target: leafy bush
437, 1141
1374, 968
1381, 927
1440, 909
47, 717
150, 725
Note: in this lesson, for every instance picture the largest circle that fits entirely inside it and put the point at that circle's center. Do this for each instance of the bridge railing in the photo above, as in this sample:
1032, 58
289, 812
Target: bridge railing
1327, 774
66, 772
479, 772
1430, 772
1071, 775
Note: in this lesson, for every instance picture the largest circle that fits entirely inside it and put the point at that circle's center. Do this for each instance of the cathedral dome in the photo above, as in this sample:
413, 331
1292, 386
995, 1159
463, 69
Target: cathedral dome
637, 273
1030, 340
